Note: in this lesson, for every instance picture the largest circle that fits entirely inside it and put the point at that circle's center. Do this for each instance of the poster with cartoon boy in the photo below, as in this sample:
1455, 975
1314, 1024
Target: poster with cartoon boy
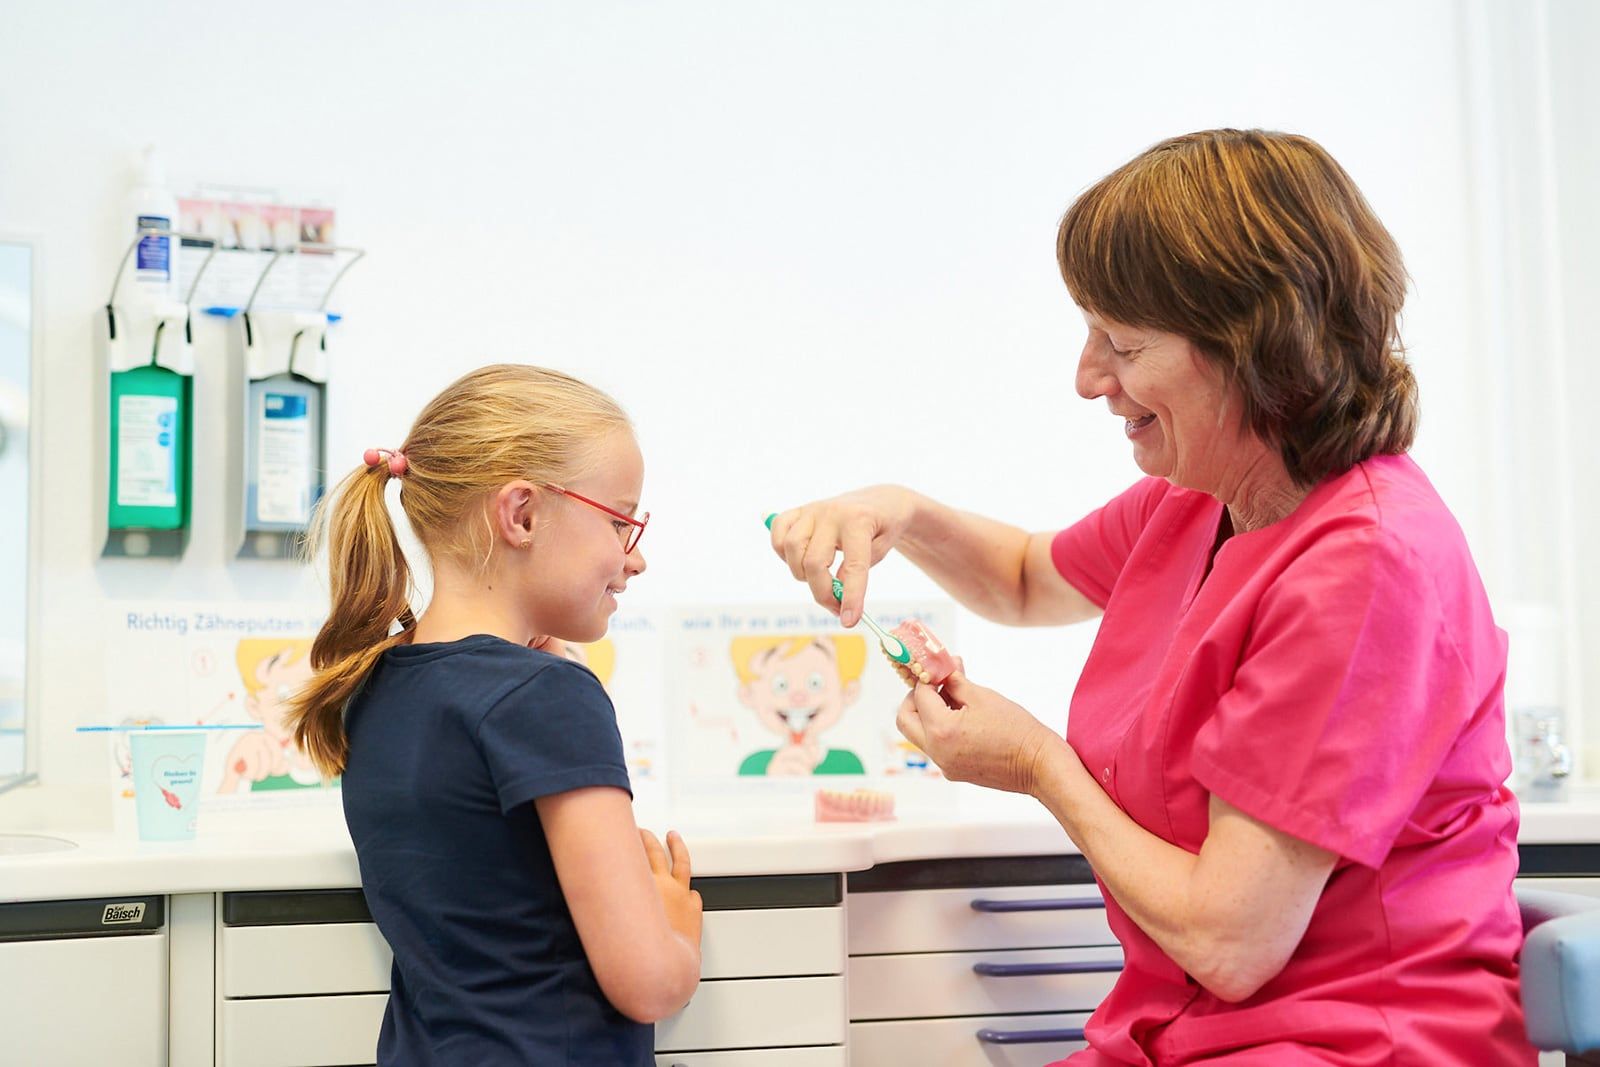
272, 670
799, 687
628, 662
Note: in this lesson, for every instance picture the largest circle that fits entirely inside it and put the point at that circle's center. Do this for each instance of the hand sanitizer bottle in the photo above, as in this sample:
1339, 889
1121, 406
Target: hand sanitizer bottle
151, 206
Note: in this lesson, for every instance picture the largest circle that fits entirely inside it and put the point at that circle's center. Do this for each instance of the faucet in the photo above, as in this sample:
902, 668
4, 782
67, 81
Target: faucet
1545, 757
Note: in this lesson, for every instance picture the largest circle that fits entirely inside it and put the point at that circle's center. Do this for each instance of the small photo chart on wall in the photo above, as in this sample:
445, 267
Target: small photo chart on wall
777, 700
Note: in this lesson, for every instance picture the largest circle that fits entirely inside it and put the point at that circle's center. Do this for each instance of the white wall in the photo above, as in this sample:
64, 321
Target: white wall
808, 245
1574, 82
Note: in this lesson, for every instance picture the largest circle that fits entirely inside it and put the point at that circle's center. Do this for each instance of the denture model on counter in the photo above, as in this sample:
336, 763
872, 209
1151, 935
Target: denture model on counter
860, 805
931, 662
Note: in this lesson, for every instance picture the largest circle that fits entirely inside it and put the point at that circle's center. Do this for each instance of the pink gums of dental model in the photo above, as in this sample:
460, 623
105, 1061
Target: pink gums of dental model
861, 805
931, 662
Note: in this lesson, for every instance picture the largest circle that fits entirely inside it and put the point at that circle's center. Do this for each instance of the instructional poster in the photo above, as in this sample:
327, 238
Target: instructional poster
769, 694
628, 663
228, 666
754, 702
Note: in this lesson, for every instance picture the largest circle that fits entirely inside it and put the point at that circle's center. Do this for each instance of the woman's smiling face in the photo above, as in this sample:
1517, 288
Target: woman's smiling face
1183, 421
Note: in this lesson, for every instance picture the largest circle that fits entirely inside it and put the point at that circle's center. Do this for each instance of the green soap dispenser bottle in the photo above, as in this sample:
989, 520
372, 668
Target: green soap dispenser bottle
150, 443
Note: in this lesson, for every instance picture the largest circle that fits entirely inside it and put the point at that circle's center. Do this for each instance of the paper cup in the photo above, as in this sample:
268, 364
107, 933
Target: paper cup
166, 771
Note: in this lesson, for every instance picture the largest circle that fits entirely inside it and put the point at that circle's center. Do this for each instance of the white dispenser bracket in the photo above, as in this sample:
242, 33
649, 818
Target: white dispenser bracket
289, 344
154, 332
149, 333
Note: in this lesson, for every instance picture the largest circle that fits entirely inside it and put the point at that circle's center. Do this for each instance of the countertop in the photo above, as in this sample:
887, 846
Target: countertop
309, 848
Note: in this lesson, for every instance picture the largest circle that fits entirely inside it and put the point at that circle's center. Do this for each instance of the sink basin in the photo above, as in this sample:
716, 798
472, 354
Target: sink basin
26, 844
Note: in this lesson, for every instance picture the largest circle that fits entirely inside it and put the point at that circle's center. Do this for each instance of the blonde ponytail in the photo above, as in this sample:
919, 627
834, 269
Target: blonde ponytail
370, 591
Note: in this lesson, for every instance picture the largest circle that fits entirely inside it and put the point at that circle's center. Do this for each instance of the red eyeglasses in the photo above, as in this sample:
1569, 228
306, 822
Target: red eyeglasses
630, 533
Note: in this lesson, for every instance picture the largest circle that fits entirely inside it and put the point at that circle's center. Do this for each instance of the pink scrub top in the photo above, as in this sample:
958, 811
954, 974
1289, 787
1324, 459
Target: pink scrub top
1337, 676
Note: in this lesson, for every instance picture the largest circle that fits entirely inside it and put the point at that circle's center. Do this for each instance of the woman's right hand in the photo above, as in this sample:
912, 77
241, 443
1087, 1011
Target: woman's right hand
864, 525
670, 867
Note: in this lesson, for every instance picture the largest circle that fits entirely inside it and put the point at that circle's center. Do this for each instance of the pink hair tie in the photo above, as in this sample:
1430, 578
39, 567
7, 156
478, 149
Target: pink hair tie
396, 459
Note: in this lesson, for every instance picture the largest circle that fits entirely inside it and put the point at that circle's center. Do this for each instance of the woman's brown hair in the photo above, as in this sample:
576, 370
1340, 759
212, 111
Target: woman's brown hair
1259, 248
495, 425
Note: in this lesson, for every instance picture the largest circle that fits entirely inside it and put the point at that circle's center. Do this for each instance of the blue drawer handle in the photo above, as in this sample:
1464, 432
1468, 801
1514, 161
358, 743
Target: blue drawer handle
1047, 904
1034, 970
1029, 1037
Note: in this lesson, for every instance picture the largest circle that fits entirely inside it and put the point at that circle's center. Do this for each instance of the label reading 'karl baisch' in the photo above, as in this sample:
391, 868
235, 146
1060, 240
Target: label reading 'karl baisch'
122, 913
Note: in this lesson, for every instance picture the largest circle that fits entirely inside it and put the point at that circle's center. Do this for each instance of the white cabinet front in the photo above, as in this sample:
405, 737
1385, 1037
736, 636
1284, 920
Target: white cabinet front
88, 1000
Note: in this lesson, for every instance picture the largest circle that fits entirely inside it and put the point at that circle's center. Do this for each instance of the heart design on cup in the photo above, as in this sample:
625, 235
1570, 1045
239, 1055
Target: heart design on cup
173, 770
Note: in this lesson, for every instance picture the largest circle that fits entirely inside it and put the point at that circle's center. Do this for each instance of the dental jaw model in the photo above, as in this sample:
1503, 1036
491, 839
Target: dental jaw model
931, 662
860, 805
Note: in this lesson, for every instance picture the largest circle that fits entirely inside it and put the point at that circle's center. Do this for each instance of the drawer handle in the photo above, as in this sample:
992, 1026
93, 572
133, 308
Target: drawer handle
1047, 904
1029, 1037
1034, 970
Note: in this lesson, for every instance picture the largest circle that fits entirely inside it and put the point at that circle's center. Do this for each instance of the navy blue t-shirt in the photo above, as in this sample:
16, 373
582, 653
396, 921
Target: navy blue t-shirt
449, 746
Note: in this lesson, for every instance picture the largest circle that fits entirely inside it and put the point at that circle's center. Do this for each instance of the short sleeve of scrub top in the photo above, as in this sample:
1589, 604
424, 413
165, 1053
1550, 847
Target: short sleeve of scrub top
1091, 554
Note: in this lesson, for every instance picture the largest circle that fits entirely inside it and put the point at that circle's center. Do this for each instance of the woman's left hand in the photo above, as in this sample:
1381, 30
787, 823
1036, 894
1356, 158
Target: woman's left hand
975, 735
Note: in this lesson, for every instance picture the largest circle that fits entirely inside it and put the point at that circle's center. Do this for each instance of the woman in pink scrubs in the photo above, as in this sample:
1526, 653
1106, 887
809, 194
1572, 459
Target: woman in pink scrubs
1286, 754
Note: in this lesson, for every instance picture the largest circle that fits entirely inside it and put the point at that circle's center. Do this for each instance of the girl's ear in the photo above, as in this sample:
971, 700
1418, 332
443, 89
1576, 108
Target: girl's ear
514, 512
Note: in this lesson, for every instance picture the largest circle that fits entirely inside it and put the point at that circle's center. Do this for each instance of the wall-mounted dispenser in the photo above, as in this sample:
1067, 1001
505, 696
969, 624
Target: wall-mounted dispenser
281, 356
145, 338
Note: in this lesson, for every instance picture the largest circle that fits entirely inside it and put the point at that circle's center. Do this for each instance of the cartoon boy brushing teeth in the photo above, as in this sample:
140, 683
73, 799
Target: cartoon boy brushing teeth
272, 668
799, 687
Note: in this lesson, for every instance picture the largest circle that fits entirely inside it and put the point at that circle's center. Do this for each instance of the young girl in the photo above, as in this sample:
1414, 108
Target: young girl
484, 781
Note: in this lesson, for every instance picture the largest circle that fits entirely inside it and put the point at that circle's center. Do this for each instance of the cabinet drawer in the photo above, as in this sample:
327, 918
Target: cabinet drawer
830, 1056
752, 1013
275, 961
88, 1000
1589, 887
945, 983
954, 1042
940, 920
772, 941
300, 1031
304, 960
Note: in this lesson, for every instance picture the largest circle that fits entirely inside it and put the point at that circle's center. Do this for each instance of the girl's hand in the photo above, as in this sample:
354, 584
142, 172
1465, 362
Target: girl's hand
864, 525
976, 735
672, 881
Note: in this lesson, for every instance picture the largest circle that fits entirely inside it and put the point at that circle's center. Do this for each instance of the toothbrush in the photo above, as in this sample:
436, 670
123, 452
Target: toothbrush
892, 646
